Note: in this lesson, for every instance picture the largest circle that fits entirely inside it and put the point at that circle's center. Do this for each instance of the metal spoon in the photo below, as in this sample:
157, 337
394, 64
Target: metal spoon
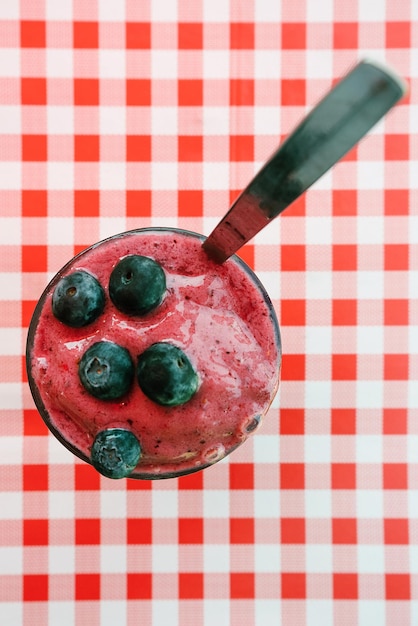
328, 132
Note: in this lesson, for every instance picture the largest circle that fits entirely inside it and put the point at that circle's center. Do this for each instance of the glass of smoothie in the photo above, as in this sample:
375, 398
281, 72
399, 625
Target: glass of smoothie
156, 353
149, 359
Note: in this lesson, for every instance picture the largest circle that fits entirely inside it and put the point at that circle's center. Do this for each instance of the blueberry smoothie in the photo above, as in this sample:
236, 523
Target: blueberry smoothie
148, 359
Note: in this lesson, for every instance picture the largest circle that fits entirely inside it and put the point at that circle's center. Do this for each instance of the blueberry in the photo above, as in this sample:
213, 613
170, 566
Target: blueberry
115, 452
78, 299
137, 284
106, 370
166, 375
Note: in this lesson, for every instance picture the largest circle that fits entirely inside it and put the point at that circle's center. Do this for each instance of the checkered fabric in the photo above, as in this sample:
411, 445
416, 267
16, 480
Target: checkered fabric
117, 115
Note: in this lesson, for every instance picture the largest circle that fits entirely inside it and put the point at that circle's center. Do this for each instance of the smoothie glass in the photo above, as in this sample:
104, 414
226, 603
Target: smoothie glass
222, 319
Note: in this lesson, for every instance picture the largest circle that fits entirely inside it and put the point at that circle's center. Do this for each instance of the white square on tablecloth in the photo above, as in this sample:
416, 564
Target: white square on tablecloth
317, 449
266, 503
319, 613
10, 118
110, 11
266, 612
370, 559
112, 612
369, 503
216, 558
319, 559
371, 612
214, 612
318, 503
369, 448
267, 558
165, 559
61, 559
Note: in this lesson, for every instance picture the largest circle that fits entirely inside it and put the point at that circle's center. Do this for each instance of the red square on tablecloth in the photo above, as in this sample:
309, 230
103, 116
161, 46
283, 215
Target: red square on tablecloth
292, 421
192, 481
396, 256
241, 147
294, 367
87, 531
398, 586
34, 258
190, 203
344, 202
86, 91
293, 92
138, 92
293, 258
241, 530
396, 201
344, 257
87, 586
293, 312
190, 530
191, 585
396, 531
395, 476
34, 147
35, 532
242, 585
35, 587
398, 34
86, 147
241, 92
343, 421
293, 35
139, 586
85, 34
345, 35
292, 475
344, 530
396, 366
241, 35
292, 530
34, 426
344, 312
138, 35
344, 366
190, 92
34, 202
396, 147
139, 530
293, 585
190, 148
86, 478
86, 202
396, 312
138, 202
190, 35
395, 421
345, 586
32, 34
138, 148
241, 476
33, 90
343, 475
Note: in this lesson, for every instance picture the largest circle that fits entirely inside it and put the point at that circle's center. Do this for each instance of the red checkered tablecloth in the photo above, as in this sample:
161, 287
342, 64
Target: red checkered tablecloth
117, 115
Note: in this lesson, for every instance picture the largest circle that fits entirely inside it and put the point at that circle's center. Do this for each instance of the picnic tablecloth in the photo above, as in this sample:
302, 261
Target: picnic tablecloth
118, 115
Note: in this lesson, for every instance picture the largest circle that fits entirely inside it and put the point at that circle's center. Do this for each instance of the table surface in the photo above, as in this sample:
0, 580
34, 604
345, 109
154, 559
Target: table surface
117, 115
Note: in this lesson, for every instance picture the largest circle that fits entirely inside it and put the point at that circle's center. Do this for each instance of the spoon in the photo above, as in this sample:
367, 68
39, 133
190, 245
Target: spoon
330, 130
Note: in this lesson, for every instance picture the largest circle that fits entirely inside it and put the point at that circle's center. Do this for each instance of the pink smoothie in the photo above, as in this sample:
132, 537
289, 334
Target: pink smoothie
219, 315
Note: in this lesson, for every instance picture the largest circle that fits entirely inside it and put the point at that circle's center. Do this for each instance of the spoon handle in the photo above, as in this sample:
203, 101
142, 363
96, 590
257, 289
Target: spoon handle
328, 132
